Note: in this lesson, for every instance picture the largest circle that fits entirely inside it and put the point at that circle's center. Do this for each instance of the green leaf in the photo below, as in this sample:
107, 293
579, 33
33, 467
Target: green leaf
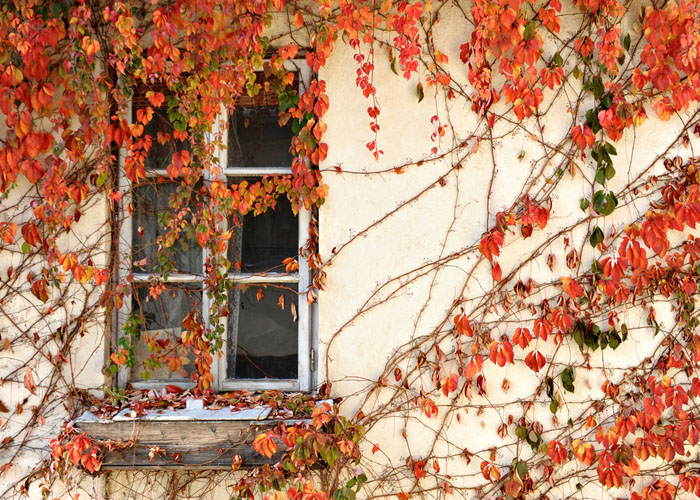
584, 204
557, 60
610, 149
604, 203
600, 176
593, 122
577, 73
626, 42
530, 30
597, 87
554, 406
521, 469
101, 179
614, 340
567, 379
521, 432
609, 172
393, 66
26, 247
596, 238
603, 340
578, 336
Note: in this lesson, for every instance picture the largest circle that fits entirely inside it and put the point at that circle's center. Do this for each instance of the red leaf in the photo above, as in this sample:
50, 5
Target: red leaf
419, 469
583, 136
463, 326
535, 360
496, 272
449, 384
522, 337
571, 287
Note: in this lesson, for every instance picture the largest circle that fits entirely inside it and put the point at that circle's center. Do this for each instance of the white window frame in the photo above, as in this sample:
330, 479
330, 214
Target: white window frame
305, 349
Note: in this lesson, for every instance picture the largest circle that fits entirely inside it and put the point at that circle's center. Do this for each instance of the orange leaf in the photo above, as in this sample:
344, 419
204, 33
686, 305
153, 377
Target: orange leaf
298, 20
8, 231
155, 98
33, 170
265, 445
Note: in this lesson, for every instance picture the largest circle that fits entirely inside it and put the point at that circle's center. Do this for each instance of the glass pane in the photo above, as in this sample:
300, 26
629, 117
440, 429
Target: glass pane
261, 242
263, 337
161, 323
255, 138
159, 155
148, 202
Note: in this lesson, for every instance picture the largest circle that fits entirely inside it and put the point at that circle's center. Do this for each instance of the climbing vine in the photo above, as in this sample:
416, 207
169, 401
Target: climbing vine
590, 300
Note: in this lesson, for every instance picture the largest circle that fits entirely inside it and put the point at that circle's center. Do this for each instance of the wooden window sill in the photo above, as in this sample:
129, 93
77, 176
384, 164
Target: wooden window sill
187, 438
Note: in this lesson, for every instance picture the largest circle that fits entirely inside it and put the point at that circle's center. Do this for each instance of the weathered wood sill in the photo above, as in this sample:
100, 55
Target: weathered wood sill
199, 438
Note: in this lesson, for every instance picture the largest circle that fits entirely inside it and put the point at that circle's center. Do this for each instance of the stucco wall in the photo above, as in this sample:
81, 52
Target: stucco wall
383, 233
383, 289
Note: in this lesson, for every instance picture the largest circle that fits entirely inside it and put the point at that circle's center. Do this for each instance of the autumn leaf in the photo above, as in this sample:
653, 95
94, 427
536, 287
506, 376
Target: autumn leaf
449, 384
265, 445
8, 231
583, 136
522, 337
144, 115
33, 170
535, 360
496, 272
29, 381
571, 287
462, 324
155, 98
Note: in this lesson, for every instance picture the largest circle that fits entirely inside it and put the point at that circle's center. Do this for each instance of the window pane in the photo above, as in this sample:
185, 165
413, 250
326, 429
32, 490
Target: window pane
261, 242
148, 201
255, 138
161, 320
159, 155
263, 337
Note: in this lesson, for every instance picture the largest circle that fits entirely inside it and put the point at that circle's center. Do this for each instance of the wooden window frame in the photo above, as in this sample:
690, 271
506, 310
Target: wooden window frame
305, 313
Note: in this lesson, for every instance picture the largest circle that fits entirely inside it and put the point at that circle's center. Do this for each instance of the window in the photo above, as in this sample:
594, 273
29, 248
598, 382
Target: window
267, 339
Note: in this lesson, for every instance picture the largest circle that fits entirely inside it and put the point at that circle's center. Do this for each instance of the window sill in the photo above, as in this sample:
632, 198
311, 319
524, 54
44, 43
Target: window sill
194, 437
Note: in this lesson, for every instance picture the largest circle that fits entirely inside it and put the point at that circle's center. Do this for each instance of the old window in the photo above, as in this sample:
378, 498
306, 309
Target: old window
267, 340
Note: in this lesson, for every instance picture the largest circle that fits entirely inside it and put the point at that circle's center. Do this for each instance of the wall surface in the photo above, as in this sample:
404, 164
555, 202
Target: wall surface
399, 237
